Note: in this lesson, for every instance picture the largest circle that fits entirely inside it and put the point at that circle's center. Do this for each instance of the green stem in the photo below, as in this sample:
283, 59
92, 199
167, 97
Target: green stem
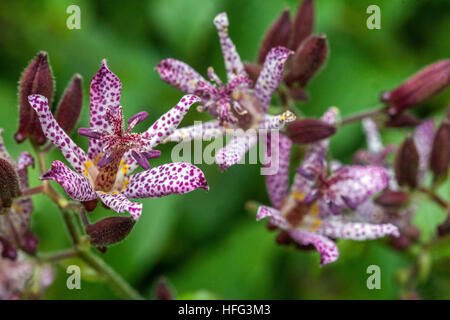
362, 115
116, 282
61, 255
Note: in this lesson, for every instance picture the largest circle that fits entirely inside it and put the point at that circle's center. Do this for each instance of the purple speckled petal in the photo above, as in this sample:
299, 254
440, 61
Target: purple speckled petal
326, 247
168, 122
356, 184
205, 131
271, 75
373, 139
275, 217
24, 160
119, 203
357, 231
74, 154
278, 183
104, 94
170, 178
181, 76
235, 150
75, 185
233, 63
423, 138
270, 122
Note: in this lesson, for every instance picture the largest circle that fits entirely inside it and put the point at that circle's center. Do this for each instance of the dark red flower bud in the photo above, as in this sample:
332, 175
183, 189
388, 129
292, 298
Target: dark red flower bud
303, 24
162, 290
270, 226
440, 152
9, 184
392, 199
307, 60
422, 86
407, 163
90, 205
444, 228
30, 242
69, 108
36, 79
299, 94
401, 120
109, 230
400, 243
283, 238
277, 35
8, 250
309, 130
253, 71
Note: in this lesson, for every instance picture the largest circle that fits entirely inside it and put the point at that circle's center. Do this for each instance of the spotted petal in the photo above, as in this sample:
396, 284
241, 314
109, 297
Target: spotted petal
183, 77
271, 75
233, 63
119, 203
278, 183
74, 154
170, 178
356, 230
270, 122
326, 247
423, 139
374, 144
235, 150
24, 160
75, 185
168, 122
204, 131
104, 94
355, 184
275, 217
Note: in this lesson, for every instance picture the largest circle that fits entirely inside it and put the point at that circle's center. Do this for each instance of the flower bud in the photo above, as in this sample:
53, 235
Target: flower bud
444, 228
283, 238
162, 290
9, 184
422, 86
277, 35
109, 230
90, 205
299, 94
392, 199
69, 108
307, 60
440, 152
401, 120
253, 71
303, 24
8, 251
309, 130
30, 242
36, 79
407, 163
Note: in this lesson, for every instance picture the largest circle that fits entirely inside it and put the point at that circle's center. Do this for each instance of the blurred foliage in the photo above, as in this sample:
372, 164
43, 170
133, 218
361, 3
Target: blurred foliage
206, 244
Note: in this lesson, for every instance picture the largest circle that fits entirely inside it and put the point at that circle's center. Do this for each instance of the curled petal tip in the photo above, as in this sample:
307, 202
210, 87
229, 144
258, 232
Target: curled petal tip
221, 20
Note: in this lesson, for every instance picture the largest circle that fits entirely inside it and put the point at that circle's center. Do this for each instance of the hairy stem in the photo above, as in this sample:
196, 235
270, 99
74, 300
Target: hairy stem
360, 116
436, 198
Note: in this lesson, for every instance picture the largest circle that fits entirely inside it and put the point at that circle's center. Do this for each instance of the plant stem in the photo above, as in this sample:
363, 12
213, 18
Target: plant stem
32, 191
433, 196
61, 255
362, 115
119, 285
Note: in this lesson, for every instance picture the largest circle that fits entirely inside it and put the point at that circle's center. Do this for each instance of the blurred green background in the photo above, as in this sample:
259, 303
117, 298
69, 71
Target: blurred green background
206, 244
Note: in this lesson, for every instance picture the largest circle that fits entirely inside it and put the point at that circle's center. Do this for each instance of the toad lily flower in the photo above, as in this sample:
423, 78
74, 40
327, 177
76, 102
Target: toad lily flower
235, 104
15, 210
311, 212
114, 153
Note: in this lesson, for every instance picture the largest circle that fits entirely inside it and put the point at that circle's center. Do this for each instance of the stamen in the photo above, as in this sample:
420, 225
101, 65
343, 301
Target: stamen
333, 208
305, 174
214, 77
105, 160
311, 197
349, 203
141, 159
137, 118
90, 133
238, 108
152, 154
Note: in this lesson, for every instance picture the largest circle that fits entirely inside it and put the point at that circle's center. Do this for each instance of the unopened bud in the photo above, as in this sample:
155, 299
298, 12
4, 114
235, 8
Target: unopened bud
283, 238
162, 290
303, 24
392, 199
440, 152
69, 107
9, 184
407, 163
29, 243
253, 71
109, 230
309, 130
36, 79
277, 35
444, 228
422, 86
400, 243
299, 94
8, 250
90, 205
401, 120
307, 60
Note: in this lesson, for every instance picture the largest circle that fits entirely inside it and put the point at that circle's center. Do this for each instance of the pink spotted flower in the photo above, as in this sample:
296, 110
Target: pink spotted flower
105, 171
313, 212
235, 104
